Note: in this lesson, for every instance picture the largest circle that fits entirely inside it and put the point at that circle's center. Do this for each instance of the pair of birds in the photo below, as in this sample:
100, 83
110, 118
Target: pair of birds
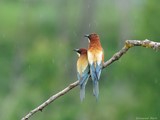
90, 63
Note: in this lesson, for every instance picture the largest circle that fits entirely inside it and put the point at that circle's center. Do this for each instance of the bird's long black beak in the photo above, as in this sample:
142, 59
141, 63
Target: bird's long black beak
76, 50
86, 35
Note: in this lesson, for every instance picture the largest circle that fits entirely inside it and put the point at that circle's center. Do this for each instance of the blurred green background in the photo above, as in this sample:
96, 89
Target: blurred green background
37, 38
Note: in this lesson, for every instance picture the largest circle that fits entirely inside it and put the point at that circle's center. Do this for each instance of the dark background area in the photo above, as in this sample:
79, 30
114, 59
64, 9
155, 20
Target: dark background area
37, 38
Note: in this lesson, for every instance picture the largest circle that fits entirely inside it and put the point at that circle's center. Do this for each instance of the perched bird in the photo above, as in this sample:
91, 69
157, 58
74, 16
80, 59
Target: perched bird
82, 70
96, 59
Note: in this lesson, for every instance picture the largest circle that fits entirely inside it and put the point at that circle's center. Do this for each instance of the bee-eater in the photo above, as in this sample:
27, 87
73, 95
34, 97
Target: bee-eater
96, 59
82, 70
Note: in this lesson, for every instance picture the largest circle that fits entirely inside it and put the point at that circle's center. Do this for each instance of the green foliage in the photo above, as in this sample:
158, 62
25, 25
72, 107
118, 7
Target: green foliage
37, 39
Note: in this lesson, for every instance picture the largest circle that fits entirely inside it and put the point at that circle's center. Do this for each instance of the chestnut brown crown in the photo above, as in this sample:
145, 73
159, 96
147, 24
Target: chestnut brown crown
92, 36
81, 50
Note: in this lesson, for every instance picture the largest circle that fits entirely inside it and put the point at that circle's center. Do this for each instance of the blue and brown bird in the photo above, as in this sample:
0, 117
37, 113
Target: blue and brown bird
96, 59
82, 70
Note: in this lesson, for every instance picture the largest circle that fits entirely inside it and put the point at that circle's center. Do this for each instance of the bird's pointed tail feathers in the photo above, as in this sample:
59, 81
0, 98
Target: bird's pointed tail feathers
96, 89
83, 83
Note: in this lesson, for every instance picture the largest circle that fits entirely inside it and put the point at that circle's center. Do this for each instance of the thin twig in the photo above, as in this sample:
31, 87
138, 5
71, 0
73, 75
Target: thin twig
128, 44
132, 43
51, 99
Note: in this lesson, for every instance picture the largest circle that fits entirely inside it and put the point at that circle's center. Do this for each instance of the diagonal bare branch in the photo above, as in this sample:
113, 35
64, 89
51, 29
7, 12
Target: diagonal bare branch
51, 99
128, 44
